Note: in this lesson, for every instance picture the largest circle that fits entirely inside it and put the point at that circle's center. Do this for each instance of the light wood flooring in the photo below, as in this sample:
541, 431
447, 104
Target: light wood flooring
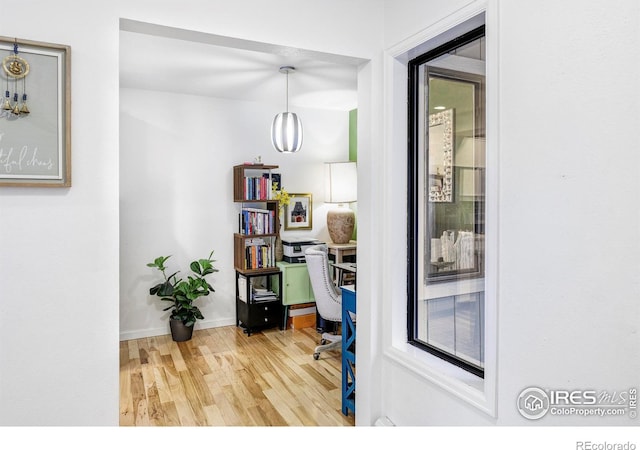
222, 377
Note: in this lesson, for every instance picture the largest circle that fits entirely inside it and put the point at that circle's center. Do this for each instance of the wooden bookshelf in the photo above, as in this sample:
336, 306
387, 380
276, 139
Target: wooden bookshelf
254, 246
254, 249
240, 175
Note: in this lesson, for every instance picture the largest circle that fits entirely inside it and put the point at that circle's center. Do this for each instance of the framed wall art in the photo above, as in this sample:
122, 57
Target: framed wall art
298, 214
441, 136
35, 114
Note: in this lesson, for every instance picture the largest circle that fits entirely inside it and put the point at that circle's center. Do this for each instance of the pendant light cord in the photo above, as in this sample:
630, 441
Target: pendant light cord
287, 91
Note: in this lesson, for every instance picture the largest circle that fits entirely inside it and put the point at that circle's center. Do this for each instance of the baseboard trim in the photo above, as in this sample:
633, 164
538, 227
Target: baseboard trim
149, 332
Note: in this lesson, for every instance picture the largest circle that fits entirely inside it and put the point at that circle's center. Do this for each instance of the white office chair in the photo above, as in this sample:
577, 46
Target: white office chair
328, 296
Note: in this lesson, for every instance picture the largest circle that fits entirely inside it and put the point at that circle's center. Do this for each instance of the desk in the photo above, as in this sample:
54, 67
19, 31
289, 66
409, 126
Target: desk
348, 350
340, 268
339, 251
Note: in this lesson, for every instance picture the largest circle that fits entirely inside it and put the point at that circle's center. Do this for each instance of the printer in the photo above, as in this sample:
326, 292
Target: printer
293, 249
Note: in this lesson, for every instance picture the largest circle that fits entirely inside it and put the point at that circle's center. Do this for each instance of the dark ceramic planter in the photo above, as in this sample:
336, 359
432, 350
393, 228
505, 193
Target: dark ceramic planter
180, 332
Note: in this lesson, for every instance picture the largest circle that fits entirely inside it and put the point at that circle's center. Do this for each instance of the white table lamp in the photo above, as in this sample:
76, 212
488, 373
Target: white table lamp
341, 187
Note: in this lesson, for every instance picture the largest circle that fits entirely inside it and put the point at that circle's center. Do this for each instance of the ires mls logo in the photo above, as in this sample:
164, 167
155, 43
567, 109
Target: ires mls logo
534, 403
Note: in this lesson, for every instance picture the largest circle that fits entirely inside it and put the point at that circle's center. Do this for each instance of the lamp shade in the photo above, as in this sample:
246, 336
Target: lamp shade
341, 186
341, 182
286, 132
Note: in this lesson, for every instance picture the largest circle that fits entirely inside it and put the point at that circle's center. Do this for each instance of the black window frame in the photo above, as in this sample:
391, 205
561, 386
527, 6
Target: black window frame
413, 196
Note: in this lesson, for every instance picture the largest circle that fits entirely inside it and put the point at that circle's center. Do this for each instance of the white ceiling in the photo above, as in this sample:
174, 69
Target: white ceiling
188, 62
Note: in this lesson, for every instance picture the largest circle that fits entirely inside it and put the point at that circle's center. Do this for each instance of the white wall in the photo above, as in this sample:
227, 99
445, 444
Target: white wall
176, 190
567, 302
59, 262
563, 107
59, 266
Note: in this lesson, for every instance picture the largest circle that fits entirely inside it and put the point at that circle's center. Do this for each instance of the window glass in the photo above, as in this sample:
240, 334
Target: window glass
447, 198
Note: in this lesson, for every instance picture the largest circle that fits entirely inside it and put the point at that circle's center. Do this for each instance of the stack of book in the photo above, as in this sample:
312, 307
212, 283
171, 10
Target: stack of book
263, 295
257, 188
258, 254
257, 221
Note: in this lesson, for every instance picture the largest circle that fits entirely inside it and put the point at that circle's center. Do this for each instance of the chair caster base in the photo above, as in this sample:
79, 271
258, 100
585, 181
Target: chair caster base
316, 356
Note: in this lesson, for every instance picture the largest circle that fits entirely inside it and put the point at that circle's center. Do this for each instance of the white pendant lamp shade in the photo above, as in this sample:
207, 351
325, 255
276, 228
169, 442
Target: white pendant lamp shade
286, 132
286, 129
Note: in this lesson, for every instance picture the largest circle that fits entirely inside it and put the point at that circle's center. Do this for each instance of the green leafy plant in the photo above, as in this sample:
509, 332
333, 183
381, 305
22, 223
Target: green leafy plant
182, 293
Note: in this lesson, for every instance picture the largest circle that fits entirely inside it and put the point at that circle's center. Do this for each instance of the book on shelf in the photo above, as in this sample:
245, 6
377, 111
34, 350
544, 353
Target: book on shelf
257, 221
257, 210
260, 294
258, 254
265, 299
242, 288
257, 188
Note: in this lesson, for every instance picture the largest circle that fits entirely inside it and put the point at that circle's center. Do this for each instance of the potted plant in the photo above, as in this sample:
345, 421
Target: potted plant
182, 293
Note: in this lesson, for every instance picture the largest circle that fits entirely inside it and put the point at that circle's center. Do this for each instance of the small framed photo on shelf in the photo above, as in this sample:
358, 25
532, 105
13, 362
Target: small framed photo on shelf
298, 214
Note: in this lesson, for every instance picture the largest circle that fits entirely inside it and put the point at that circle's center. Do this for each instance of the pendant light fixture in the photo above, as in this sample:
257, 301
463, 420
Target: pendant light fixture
286, 129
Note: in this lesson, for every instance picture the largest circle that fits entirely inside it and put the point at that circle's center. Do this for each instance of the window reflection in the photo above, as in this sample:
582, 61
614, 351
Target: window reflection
455, 166
450, 207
